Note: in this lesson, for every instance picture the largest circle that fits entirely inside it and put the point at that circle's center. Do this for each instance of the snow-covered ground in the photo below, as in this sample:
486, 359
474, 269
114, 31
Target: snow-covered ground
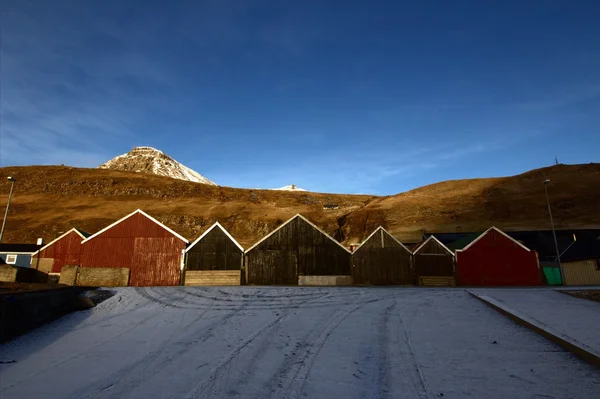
264, 342
574, 319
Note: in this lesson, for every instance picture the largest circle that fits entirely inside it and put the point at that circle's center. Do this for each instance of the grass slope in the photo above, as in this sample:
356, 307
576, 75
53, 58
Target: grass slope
52, 199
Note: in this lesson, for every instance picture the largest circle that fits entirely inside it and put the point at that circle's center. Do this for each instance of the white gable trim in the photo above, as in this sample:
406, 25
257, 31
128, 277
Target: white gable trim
499, 231
307, 221
130, 215
217, 224
367, 239
58, 238
380, 228
273, 232
325, 234
420, 247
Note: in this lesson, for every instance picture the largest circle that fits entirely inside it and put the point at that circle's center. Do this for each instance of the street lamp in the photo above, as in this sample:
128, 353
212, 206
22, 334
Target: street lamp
12, 180
562, 274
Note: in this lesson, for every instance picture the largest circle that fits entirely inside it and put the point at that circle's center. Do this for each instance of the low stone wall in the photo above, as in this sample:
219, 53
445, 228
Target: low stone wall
43, 264
23, 311
212, 277
325, 280
103, 277
68, 275
17, 274
8, 274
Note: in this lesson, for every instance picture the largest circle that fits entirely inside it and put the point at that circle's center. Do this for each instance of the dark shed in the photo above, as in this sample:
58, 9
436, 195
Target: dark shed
382, 260
433, 263
215, 258
496, 259
62, 251
296, 248
150, 250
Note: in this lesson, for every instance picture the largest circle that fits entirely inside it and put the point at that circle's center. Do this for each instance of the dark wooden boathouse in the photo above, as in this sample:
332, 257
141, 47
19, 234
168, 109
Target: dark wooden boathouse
215, 258
382, 260
296, 249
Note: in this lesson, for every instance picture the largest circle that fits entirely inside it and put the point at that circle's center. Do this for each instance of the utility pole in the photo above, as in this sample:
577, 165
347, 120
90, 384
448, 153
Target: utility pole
562, 274
12, 180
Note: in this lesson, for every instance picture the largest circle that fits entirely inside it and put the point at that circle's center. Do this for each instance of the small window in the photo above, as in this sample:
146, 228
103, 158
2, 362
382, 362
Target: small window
11, 259
598, 264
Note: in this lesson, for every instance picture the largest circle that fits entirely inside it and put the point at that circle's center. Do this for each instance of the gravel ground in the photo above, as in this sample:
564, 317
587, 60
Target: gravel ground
275, 342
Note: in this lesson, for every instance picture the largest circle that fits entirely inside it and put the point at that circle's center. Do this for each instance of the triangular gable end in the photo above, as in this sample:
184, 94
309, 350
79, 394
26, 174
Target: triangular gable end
497, 230
217, 224
130, 215
324, 233
287, 222
273, 232
420, 247
59, 238
380, 228
368, 238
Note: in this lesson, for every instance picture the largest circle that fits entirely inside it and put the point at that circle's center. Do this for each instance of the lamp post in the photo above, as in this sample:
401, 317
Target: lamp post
562, 274
12, 180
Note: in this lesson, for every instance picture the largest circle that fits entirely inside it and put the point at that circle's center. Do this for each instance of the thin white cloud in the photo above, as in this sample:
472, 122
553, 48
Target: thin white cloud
64, 103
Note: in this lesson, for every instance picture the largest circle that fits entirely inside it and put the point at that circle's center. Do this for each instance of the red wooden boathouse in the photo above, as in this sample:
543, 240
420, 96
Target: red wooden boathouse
496, 259
64, 250
152, 251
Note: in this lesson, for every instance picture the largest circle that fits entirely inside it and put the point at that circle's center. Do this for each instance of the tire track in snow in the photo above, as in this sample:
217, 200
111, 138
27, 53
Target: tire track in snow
135, 375
53, 365
410, 358
301, 370
296, 368
380, 378
212, 376
215, 387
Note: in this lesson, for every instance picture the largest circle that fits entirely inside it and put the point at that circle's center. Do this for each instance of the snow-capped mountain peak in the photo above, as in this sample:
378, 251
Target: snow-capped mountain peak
153, 161
291, 187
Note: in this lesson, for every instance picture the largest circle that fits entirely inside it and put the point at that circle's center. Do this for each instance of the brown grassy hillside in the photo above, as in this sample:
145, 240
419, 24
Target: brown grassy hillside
51, 199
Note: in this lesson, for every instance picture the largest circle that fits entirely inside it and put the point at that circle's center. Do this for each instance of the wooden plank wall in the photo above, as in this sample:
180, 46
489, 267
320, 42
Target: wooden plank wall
215, 251
382, 261
583, 272
272, 267
318, 255
433, 260
295, 249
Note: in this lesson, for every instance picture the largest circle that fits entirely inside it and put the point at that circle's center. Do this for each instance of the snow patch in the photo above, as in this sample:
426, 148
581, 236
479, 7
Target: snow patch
291, 187
153, 161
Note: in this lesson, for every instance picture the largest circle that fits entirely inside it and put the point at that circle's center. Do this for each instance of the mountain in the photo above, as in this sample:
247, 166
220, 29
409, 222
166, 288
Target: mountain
291, 187
152, 161
48, 200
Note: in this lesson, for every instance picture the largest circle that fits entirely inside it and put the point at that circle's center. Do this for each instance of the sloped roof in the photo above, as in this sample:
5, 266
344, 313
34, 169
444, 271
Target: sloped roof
431, 238
290, 220
380, 228
493, 228
586, 244
216, 225
19, 248
82, 234
130, 215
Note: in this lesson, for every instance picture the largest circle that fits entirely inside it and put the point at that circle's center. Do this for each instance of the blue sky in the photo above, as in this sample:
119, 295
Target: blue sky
340, 96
